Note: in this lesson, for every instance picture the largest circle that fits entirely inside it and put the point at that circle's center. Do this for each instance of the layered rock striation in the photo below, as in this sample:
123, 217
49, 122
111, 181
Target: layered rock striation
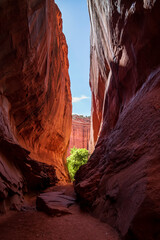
80, 133
121, 182
35, 98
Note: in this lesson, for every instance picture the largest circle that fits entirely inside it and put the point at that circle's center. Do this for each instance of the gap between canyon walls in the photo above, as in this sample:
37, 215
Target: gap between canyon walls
35, 98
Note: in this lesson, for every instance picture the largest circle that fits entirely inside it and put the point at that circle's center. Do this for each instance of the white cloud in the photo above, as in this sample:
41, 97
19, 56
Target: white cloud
77, 99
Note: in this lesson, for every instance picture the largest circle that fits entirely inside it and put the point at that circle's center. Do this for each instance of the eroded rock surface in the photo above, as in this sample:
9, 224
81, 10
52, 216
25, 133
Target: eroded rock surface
121, 182
35, 98
80, 133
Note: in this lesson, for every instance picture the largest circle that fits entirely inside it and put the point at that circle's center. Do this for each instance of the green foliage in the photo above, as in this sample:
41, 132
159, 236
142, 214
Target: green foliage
78, 157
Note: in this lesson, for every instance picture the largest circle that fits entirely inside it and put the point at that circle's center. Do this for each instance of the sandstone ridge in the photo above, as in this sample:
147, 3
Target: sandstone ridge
80, 133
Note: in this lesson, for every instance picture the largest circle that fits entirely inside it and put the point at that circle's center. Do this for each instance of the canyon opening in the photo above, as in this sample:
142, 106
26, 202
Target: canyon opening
116, 194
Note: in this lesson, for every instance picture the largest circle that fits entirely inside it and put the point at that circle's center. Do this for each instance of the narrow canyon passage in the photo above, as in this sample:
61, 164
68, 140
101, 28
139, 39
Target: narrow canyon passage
119, 187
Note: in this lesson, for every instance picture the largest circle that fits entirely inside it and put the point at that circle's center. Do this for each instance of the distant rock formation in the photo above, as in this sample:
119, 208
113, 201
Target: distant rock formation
121, 181
80, 133
35, 97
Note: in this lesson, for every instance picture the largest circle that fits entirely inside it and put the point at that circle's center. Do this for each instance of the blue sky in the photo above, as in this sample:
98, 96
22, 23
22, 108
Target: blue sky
76, 27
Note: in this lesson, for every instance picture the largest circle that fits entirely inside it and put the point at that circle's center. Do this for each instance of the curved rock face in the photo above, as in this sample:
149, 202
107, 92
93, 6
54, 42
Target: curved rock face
80, 133
121, 182
35, 98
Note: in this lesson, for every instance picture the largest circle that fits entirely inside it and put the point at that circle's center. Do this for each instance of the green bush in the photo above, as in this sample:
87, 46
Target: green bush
78, 157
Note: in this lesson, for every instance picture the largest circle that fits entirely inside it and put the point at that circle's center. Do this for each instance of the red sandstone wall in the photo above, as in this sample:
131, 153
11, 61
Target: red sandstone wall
80, 133
121, 181
35, 97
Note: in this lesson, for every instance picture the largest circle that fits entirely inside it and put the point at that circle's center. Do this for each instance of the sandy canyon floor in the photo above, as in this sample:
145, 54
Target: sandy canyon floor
33, 225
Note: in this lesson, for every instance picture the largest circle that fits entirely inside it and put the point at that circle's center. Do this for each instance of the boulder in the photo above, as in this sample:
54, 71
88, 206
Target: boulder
54, 203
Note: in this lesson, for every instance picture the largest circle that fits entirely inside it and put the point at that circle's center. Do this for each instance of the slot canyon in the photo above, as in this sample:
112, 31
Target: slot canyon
116, 195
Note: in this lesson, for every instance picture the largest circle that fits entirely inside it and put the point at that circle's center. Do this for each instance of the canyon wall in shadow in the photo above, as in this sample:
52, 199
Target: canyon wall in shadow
121, 181
35, 97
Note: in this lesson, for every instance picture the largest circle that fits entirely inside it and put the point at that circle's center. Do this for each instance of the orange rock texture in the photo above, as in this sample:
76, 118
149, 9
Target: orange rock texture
35, 98
80, 133
121, 181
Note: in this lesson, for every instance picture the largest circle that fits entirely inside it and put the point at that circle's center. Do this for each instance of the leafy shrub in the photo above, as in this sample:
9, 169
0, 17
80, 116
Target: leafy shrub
78, 157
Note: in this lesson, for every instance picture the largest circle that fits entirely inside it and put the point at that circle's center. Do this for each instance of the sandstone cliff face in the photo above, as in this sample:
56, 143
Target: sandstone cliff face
35, 98
80, 133
121, 182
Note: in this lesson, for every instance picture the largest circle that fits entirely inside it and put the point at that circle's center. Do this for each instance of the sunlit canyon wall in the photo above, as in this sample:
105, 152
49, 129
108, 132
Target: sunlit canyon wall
121, 182
80, 133
35, 98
